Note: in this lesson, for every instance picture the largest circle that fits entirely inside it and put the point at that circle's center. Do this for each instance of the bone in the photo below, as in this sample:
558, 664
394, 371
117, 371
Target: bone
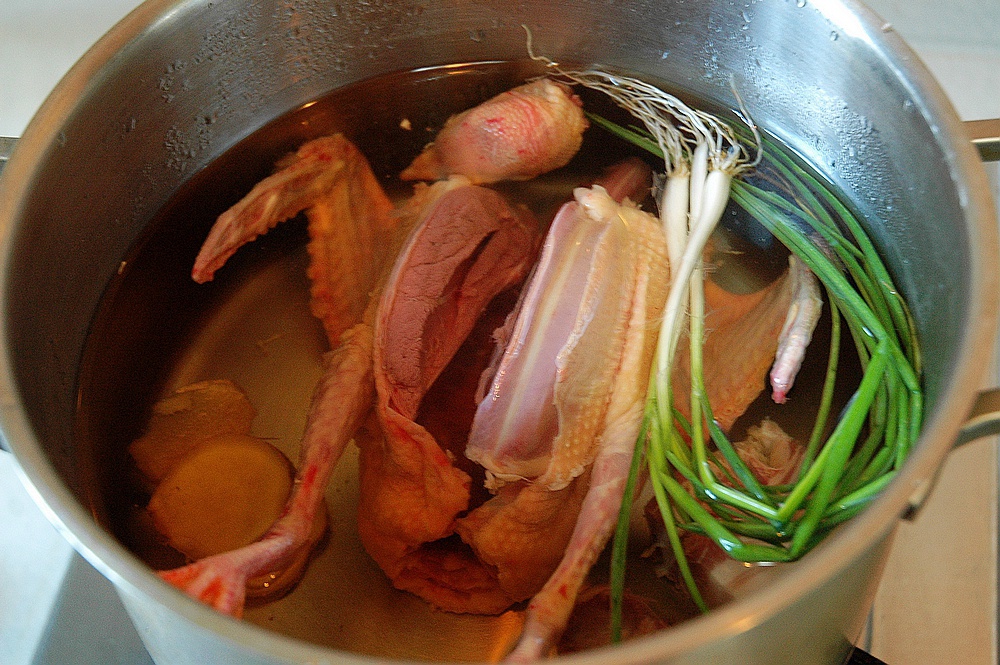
522, 427
547, 384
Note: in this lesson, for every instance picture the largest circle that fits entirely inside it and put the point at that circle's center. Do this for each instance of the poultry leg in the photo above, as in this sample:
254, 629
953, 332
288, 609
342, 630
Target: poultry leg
350, 227
342, 400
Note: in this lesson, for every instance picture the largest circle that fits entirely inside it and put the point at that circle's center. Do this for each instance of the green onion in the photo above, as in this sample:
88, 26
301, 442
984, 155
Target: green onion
845, 463
844, 467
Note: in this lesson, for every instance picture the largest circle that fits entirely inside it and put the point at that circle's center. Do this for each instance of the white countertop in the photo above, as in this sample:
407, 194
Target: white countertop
949, 616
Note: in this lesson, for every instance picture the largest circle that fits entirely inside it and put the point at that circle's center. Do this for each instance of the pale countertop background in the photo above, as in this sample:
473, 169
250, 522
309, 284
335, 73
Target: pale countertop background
937, 603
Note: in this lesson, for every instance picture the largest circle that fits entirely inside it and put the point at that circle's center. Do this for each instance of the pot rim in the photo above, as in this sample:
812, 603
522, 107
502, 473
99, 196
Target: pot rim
133, 577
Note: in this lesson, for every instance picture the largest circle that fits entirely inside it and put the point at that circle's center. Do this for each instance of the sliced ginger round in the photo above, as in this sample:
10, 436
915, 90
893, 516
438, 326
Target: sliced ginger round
187, 418
223, 495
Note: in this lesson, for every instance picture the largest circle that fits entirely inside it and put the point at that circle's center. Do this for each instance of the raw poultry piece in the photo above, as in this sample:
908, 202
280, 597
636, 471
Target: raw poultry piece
562, 412
353, 236
803, 315
746, 339
774, 458
412, 489
353, 233
740, 345
471, 246
772, 455
519, 134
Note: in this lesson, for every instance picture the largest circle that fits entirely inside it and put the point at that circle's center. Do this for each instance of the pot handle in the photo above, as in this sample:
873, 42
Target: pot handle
984, 418
985, 135
6, 148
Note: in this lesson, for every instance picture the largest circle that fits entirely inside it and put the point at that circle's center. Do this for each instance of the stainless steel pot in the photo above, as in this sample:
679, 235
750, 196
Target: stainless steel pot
177, 83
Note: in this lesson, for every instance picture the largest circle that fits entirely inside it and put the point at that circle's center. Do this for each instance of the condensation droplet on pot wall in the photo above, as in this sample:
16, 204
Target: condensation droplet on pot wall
179, 149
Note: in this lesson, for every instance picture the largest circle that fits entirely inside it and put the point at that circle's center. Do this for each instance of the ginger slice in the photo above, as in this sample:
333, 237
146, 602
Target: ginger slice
187, 418
223, 495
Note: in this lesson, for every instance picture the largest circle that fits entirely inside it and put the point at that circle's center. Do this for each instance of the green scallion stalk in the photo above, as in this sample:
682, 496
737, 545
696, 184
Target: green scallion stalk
844, 467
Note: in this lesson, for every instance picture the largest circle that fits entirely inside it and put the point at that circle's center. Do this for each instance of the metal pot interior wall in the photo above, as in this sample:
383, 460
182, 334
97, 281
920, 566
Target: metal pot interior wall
177, 84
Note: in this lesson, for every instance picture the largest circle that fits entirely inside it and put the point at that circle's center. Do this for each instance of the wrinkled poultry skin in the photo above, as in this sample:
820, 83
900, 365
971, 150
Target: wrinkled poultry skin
353, 233
599, 410
547, 397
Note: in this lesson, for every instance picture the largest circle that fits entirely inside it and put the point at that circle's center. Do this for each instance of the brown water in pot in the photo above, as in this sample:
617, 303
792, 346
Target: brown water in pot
157, 331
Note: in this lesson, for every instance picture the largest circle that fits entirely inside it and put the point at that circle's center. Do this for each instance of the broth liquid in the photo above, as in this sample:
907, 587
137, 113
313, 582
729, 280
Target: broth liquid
158, 331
